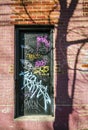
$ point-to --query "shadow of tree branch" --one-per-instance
(63, 101)
(28, 14)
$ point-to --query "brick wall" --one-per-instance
(36, 12)
(70, 57)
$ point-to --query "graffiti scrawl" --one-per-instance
(35, 88)
(35, 74)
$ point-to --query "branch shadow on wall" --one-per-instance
(64, 103)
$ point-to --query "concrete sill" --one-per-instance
(36, 118)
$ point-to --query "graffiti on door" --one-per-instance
(35, 74)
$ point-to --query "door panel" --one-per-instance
(34, 72)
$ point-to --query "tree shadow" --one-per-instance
(63, 101)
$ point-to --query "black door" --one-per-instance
(34, 71)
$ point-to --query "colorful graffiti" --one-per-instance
(42, 40)
(35, 74)
(33, 56)
(44, 70)
(39, 63)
